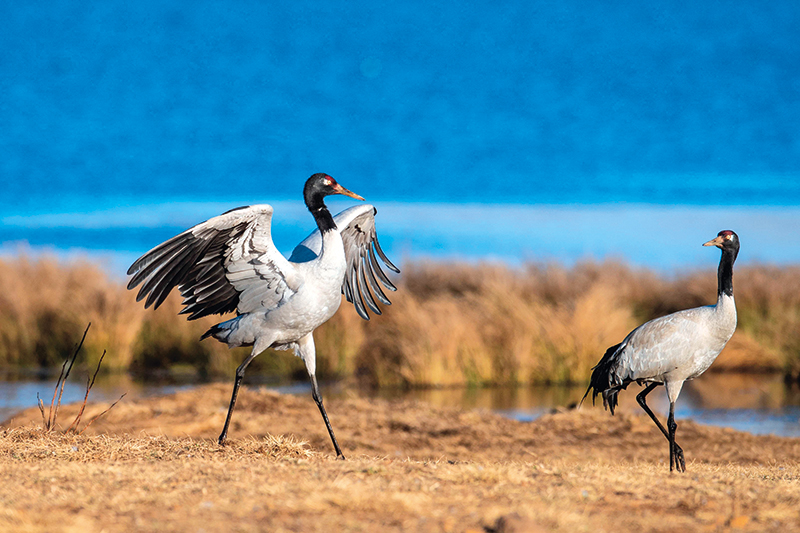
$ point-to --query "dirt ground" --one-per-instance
(154, 465)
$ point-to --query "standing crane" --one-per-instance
(672, 349)
(229, 263)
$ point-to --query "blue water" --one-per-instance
(760, 404)
(596, 122)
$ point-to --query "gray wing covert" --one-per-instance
(224, 264)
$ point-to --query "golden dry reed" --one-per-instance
(450, 324)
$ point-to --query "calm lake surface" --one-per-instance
(760, 404)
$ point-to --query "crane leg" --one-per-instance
(677, 456)
(306, 351)
(318, 399)
(674, 459)
(236, 383)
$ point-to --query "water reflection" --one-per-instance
(760, 404)
(18, 395)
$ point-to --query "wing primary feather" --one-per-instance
(187, 265)
(347, 288)
(171, 272)
(147, 259)
(348, 292)
(373, 283)
(175, 274)
(221, 286)
(383, 255)
(154, 279)
(157, 273)
(202, 285)
(376, 267)
(207, 290)
(150, 263)
(363, 290)
(204, 267)
(205, 311)
(213, 300)
(199, 312)
(359, 305)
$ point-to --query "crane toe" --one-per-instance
(677, 459)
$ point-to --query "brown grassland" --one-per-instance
(450, 324)
(154, 465)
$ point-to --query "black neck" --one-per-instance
(321, 214)
(725, 272)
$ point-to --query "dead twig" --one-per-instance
(101, 414)
(49, 420)
(58, 391)
(48, 424)
(89, 385)
(40, 403)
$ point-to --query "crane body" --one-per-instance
(672, 349)
(229, 263)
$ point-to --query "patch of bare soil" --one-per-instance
(154, 465)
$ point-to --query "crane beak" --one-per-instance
(341, 190)
(717, 241)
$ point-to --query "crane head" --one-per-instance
(321, 184)
(724, 239)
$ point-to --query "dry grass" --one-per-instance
(153, 465)
(450, 324)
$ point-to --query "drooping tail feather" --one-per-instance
(222, 331)
(233, 332)
(601, 381)
(212, 332)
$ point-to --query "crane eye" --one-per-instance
(328, 182)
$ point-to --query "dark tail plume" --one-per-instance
(212, 331)
(601, 383)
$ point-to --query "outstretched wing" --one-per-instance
(224, 264)
(364, 277)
